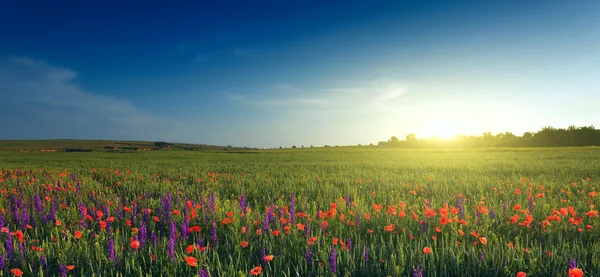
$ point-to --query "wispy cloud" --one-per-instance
(374, 96)
(43, 101)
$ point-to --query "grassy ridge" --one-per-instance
(319, 179)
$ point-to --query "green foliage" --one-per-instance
(317, 177)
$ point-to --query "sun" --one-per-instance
(444, 129)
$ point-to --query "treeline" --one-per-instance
(547, 137)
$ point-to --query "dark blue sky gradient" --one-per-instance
(298, 72)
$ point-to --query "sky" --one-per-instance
(283, 73)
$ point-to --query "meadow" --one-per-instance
(359, 211)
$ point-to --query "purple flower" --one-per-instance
(418, 272)
(111, 249)
(478, 217)
(572, 263)
(185, 224)
(212, 202)
(348, 202)
(172, 240)
(308, 256)
(214, 237)
(43, 262)
(492, 214)
(531, 204)
(357, 220)
(63, 270)
(243, 203)
(333, 260)
(292, 208)
(265, 226)
(505, 207)
(2, 262)
(263, 255)
(366, 255)
(481, 256)
(143, 233)
(204, 272)
(423, 226)
(8, 246)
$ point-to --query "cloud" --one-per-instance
(43, 101)
(374, 96)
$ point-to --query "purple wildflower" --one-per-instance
(111, 249)
(63, 270)
(481, 256)
(8, 246)
(263, 255)
(333, 260)
(43, 262)
(204, 272)
(243, 203)
(292, 208)
(423, 226)
(2, 262)
(214, 237)
(366, 255)
(531, 204)
(492, 214)
(505, 207)
(348, 202)
(308, 256)
(172, 240)
(572, 263)
(418, 272)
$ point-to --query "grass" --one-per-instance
(320, 180)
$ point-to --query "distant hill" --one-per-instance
(74, 145)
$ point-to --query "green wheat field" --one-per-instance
(339, 211)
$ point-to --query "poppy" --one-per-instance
(77, 235)
(483, 240)
(427, 250)
(70, 267)
(575, 272)
(191, 261)
(269, 258)
(135, 244)
(16, 272)
(256, 270)
(521, 274)
(244, 244)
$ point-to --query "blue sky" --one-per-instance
(283, 73)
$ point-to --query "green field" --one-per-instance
(418, 183)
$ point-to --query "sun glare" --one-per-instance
(444, 129)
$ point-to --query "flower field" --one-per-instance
(302, 212)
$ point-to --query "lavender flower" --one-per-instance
(531, 204)
(357, 220)
(418, 272)
(204, 272)
(2, 262)
(214, 237)
(111, 249)
(348, 202)
(505, 207)
(172, 240)
(265, 227)
(423, 226)
(8, 246)
(185, 224)
(43, 262)
(263, 255)
(366, 255)
(292, 209)
(1, 220)
(243, 203)
(492, 214)
(481, 256)
(212, 202)
(478, 217)
(308, 257)
(143, 233)
(63, 270)
(572, 263)
(333, 260)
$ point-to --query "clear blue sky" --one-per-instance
(266, 74)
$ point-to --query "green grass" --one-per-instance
(317, 177)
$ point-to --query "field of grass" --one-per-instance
(319, 212)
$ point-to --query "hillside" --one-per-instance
(72, 145)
